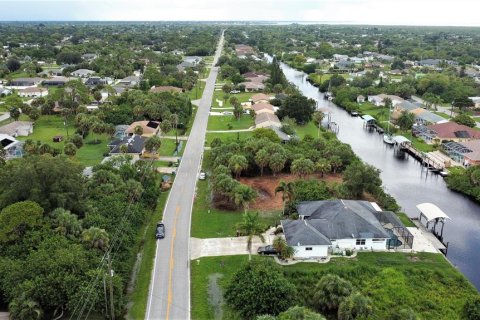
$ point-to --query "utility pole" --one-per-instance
(110, 273)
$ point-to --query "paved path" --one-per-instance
(167, 158)
(225, 131)
(173, 137)
(169, 294)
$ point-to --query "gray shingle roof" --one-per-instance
(301, 233)
(342, 219)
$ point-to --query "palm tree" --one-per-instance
(282, 247)
(288, 193)
(174, 121)
(165, 126)
(302, 167)
(24, 308)
(330, 291)
(66, 223)
(277, 162)
(323, 166)
(237, 111)
(153, 144)
(237, 163)
(96, 238)
(243, 195)
(406, 120)
(335, 162)
(355, 306)
(138, 130)
(261, 159)
(251, 227)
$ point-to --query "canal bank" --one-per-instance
(407, 182)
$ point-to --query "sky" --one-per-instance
(383, 12)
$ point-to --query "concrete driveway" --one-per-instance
(213, 247)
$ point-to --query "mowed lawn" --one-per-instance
(423, 282)
(49, 126)
(227, 136)
(208, 222)
(218, 95)
(228, 122)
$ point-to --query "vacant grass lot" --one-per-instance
(218, 95)
(208, 222)
(148, 246)
(49, 126)
(309, 128)
(424, 282)
(227, 136)
(228, 122)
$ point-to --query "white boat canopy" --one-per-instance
(431, 212)
(368, 118)
(400, 139)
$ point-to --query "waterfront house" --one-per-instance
(263, 107)
(252, 86)
(466, 152)
(21, 83)
(333, 226)
(379, 100)
(451, 131)
(260, 98)
(266, 119)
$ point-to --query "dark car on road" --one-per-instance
(267, 250)
(160, 231)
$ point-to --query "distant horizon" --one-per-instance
(270, 22)
(434, 13)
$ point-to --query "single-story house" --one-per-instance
(466, 152)
(252, 86)
(451, 131)
(150, 128)
(282, 135)
(379, 100)
(56, 81)
(260, 98)
(20, 83)
(89, 56)
(166, 89)
(360, 99)
(129, 81)
(262, 107)
(17, 128)
(51, 72)
(135, 145)
(33, 92)
(333, 226)
(13, 148)
(266, 119)
(96, 81)
(83, 73)
(118, 90)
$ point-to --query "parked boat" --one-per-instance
(388, 139)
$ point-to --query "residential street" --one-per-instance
(169, 294)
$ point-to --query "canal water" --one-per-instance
(407, 182)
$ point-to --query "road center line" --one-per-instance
(171, 264)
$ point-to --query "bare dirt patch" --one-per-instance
(265, 187)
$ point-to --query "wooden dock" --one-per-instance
(429, 161)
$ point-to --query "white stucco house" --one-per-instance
(379, 100)
(333, 226)
(33, 92)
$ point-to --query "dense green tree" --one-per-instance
(471, 309)
(302, 167)
(243, 195)
(288, 193)
(259, 288)
(237, 163)
(70, 149)
(465, 119)
(297, 107)
(300, 313)
(96, 238)
(24, 308)
(16, 219)
(13, 65)
(14, 113)
(262, 159)
(360, 178)
(406, 120)
(277, 162)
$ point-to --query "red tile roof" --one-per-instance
(449, 130)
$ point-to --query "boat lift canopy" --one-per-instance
(431, 212)
(368, 118)
(401, 140)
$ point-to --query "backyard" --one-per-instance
(423, 282)
(218, 95)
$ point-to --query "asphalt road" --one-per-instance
(169, 294)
